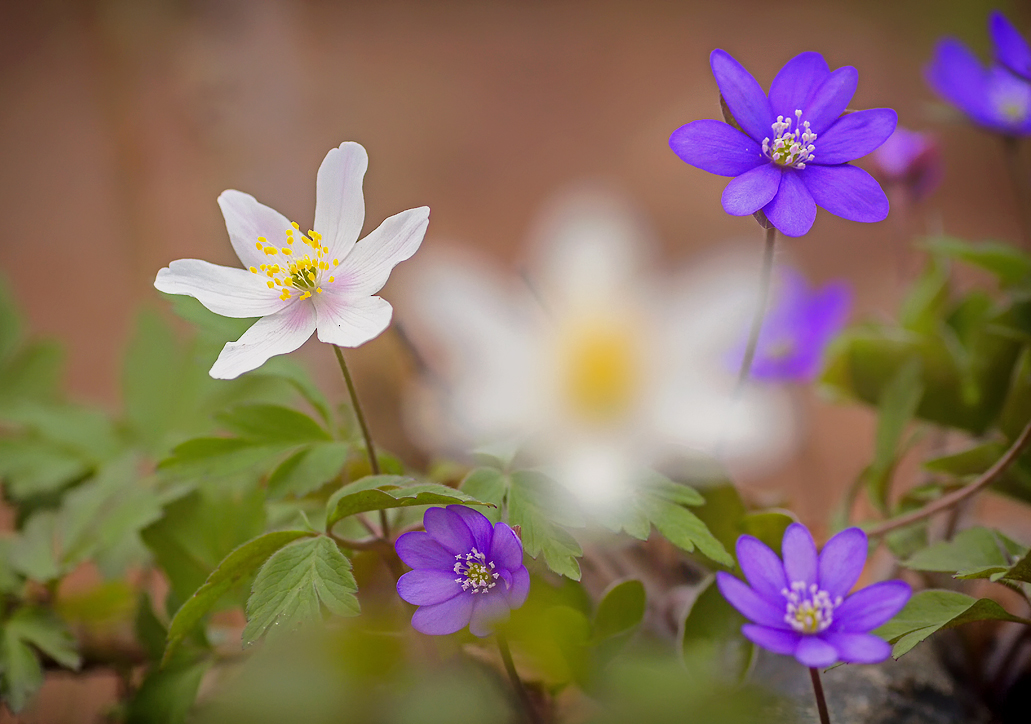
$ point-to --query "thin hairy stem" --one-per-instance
(760, 310)
(821, 701)
(532, 714)
(369, 447)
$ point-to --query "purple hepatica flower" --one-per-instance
(802, 607)
(912, 160)
(798, 327)
(467, 572)
(791, 154)
(1011, 49)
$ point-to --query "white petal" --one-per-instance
(222, 289)
(339, 203)
(366, 269)
(351, 321)
(275, 334)
(246, 220)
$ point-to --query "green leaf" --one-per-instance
(272, 425)
(531, 506)
(10, 323)
(972, 553)
(21, 675)
(388, 495)
(289, 371)
(294, 581)
(32, 374)
(898, 402)
(932, 610)
(167, 695)
(34, 552)
(308, 469)
(1005, 261)
(46, 632)
(241, 562)
(28, 630)
(927, 297)
(715, 624)
(32, 466)
(620, 610)
(489, 485)
(149, 630)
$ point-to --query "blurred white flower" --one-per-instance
(597, 366)
(299, 283)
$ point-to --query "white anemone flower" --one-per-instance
(596, 365)
(323, 281)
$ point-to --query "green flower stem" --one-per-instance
(1021, 186)
(532, 715)
(760, 311)
(821, 701)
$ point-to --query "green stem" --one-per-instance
(821, 701)
(524, 696)
(760, 311)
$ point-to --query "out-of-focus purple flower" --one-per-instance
(800, 323)
(997, 97)
(467, 572)
(1011, 49)
(912, 160)
(801, 607)
(791, 154)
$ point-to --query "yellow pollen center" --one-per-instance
(600, 372)
(291, 271)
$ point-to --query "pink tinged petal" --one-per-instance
(796, 81)
(749, 603)
(799, 549)
(449, 530)
(846, 191)
(776, 640)
(857, 648)
(427, 586)
(519, 587)
(339, 202)
(854, 136)
(489, 609)
(841, 561)
(478, 525)
(762, 567)
(505, 548)
(716, 147)
(743, 95)
(874, 605)
(277, 333)
(814, 652)
(444, 618)
(224, 290)
(830, 99)
(792, 210)
(366, 268)
(752, 190)
(418, 550)
(246, 220)
(351, 321)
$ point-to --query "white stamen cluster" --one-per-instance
(790, 148)
(475, 571)
(810, 609)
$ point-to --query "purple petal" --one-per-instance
(478, 525)
(761, 566)
(792, 210)
(752, 190)
(857, 648)
(519, 587)
(874, 605)
(958, 76)
(841, 561)
(488, 609)
(1010, 47)
(846, 191)
(814, 652)
(776, 640)
(716, 147)
(505, 549)
(743, 95)
(428, 586)
(796, 81)
(448, 529)
(444, 618)
(799, 549)
(830, 99)
(854, 135)
(749, 603)
(418, 550)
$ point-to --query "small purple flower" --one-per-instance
(997, 98)
(802, 607)
(798, 327)
(1011, 49)
(467, 572)
(912, 160)
(791, 154)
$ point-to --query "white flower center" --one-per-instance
(475, 572)
(290, 271)
(810, 609)
(790, 148)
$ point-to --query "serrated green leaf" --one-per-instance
(272, 425)
(932, 610)
(974, 552)
(378, 498)
(28, 630)
(241, 562)
(684, 529)
(1019, 571)
(293, 583)
(489, 485)
(1005, 261)
(620, 610)
(46, 632)
(308, 469)
(532, 506)
(34, 551)
(21, 675)
(32, 466)
(86, 432)
(292, 373)
(167, 695)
